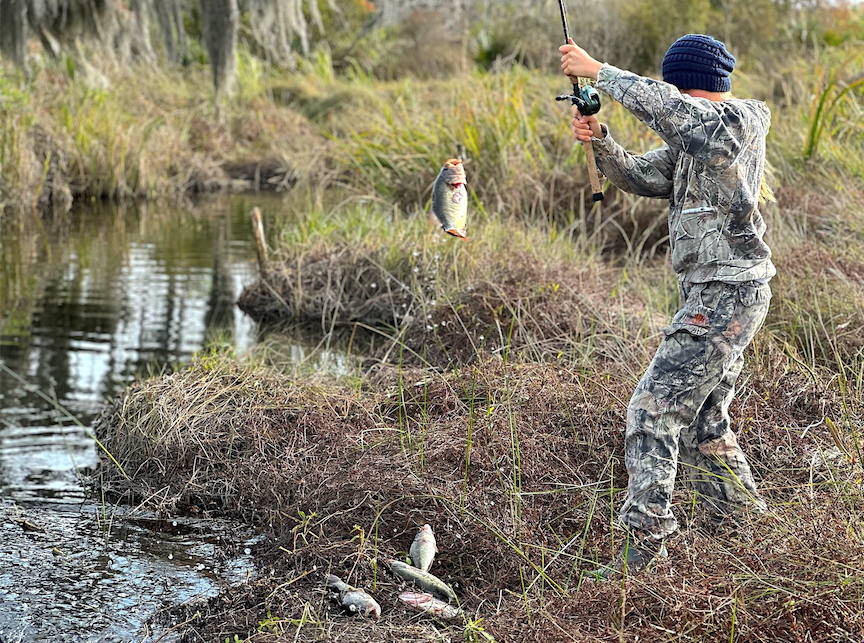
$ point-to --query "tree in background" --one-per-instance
(120, 30)
(170, 16)
(220, 19)
(392, 38)
(13, 30)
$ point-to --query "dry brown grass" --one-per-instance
(429, 313)
(517, 467)
(494, 411)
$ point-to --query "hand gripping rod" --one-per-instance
(587, 101)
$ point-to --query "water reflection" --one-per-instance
(87, 303)
(84, 575)
(90, 301)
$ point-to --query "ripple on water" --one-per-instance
(44, 461)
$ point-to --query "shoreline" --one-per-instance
(510, 447)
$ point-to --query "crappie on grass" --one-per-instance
(423, 580)
(352, 599)
(423, 549)
(428, 604)
(450, 198)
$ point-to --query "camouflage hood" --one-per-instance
(710, 168)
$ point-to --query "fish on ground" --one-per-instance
(352, 599)
(423, 549)
(423, 580)
(450, 198)
(428, 604)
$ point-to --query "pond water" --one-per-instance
(89, 302)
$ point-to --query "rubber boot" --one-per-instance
(633, 557)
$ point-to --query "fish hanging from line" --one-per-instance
(450, 198)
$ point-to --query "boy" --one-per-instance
(711, 170)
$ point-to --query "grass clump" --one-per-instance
(527, 291)
(141, 133)
(516, 466)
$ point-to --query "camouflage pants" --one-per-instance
(680, 410)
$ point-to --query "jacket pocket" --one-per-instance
(750, 294)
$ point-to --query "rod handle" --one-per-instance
(592, 171)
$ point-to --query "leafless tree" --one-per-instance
(221, 18)
(13, 30)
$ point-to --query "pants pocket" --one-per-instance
(698, 315)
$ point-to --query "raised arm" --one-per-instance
(694, 125)
(646, 175)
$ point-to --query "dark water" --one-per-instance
(97, 573)
(92, 301)
(87, 303)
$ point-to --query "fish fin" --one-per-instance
(457, 233)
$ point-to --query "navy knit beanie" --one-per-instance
(696, 61)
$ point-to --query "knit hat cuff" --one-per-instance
(696, 80)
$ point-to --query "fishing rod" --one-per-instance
(587, 101)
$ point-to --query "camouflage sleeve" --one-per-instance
(647, 175)
(694, 125)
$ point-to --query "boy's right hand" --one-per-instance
(584, 127)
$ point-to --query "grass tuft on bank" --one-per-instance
(517, 467)
(140, 133)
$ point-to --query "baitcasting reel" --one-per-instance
(587, 101)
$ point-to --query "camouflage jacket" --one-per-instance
(710, 168)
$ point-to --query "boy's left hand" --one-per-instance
(576, 63)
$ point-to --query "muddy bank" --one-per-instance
(92, 572)
(148, 136)
(517, 466)
(52, 178)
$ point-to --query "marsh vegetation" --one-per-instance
(489, 379)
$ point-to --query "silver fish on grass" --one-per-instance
(352, 599)
(423, 549)
(450, 198)
(423, 580)
(428, 604)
